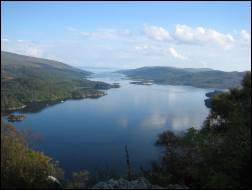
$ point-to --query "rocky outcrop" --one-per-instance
(140, 183)
(53, 183)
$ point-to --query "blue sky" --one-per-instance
(131, 34)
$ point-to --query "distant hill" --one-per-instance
(26, 80)
(15, 65)
(202, 78)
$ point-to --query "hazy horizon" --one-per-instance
(135, 95)
(127, 35)
(112, 69)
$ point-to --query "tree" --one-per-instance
(216, 156)
(22, 167)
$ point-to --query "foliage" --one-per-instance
(216, 156)
(79, 180)
(20, 165)
(202, 78)
(26, 80)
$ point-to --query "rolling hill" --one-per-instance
(26, 80)
(201, 78)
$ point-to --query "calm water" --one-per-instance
(91, 133)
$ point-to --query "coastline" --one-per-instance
(38, 106)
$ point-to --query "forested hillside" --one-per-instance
(202, 78)
(25, 80)
(218, 156)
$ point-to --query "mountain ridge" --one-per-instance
(26, 80)
(201, 77)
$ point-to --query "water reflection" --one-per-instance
(91, 133)
(123, 122)
(156, 120)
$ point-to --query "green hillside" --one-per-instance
(202, 78)
(26, 80)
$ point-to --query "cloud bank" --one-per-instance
(151, 45)
(176, 55)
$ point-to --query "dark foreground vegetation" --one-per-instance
(22, 167)
(216, 156)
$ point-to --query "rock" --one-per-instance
(176, 186)
(54, 183)
(139, 183)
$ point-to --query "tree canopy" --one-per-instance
(20, 165)
(216, 156)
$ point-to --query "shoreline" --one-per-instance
(38, 106)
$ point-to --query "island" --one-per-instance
(115, 85)
(141, 82)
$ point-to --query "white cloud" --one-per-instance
(33, 51)
(203, 36)
(176, 55)
(150, 50)
(187, 35)
(245, 35)
(145, 49)
(157, 33)
(132, 49)
(204, 64)
(4, 39)
(141, 47)
(23, 47)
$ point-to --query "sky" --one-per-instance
(122, 35)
